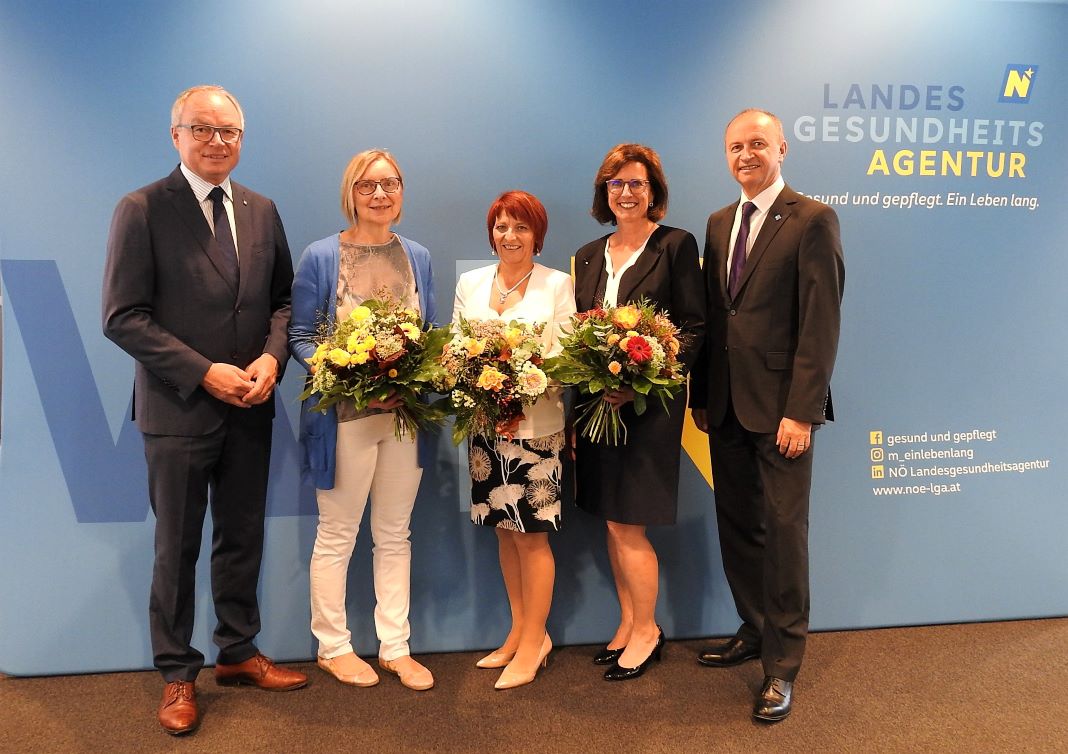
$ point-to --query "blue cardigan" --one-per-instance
(315, 297)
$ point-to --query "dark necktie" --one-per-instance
(223, 236)
(738, 258)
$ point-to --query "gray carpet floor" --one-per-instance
(987, 687)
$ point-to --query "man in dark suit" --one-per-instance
(774, 275)
(196, 289)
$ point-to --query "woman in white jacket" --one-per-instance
(528, 453)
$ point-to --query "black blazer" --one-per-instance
(637, 483)
(167, 303)
(668, 273)
(772, 349)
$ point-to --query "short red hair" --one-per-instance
(523, 207)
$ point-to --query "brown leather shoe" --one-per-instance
(178, 709)
(259, 671)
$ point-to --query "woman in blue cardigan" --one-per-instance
(351, 456)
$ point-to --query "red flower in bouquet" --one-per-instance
(638, 349)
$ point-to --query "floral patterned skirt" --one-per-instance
(515, 484)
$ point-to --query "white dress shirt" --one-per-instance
(201, 189)
(763, 202)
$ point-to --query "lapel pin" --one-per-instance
(245, 202)
(777, 217)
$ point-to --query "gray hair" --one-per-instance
(179, 104)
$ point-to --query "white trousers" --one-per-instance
(370, 460)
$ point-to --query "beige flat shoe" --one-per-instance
(411, 673)
(349, 669)
(496, 659)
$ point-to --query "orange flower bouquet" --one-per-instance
(624, 346)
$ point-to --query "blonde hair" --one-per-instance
(357, 166)
(179, 104)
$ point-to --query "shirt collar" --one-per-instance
(767, 197)
(202, 188)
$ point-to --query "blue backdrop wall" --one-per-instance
(936, 129)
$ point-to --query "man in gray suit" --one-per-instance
(774, 275)
(196, 289)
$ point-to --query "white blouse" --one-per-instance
(549, 299)
(611, 289)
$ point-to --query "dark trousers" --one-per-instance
(762, 501)
(228, 469)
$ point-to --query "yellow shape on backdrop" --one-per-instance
(695, 443)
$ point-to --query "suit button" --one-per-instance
(733, 312)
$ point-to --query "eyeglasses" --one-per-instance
(200, 132)
(389, 185)
(615, 186)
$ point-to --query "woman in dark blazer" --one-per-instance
(635, 485)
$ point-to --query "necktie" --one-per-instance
(223, 236)
(738, 258)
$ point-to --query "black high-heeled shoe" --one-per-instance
(607, 656)
(619, 673)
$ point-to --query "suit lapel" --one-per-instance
(589, 266)
(776, 218)
(723, 242)
(642, 267)
(243, 218)
(188, 209)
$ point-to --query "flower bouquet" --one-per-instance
(379, 349)
(624, 346)
(493, 372)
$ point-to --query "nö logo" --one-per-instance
(1017, 82)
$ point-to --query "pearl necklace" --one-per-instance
(506, 293)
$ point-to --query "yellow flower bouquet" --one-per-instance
(380, 349)
(493, 370)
